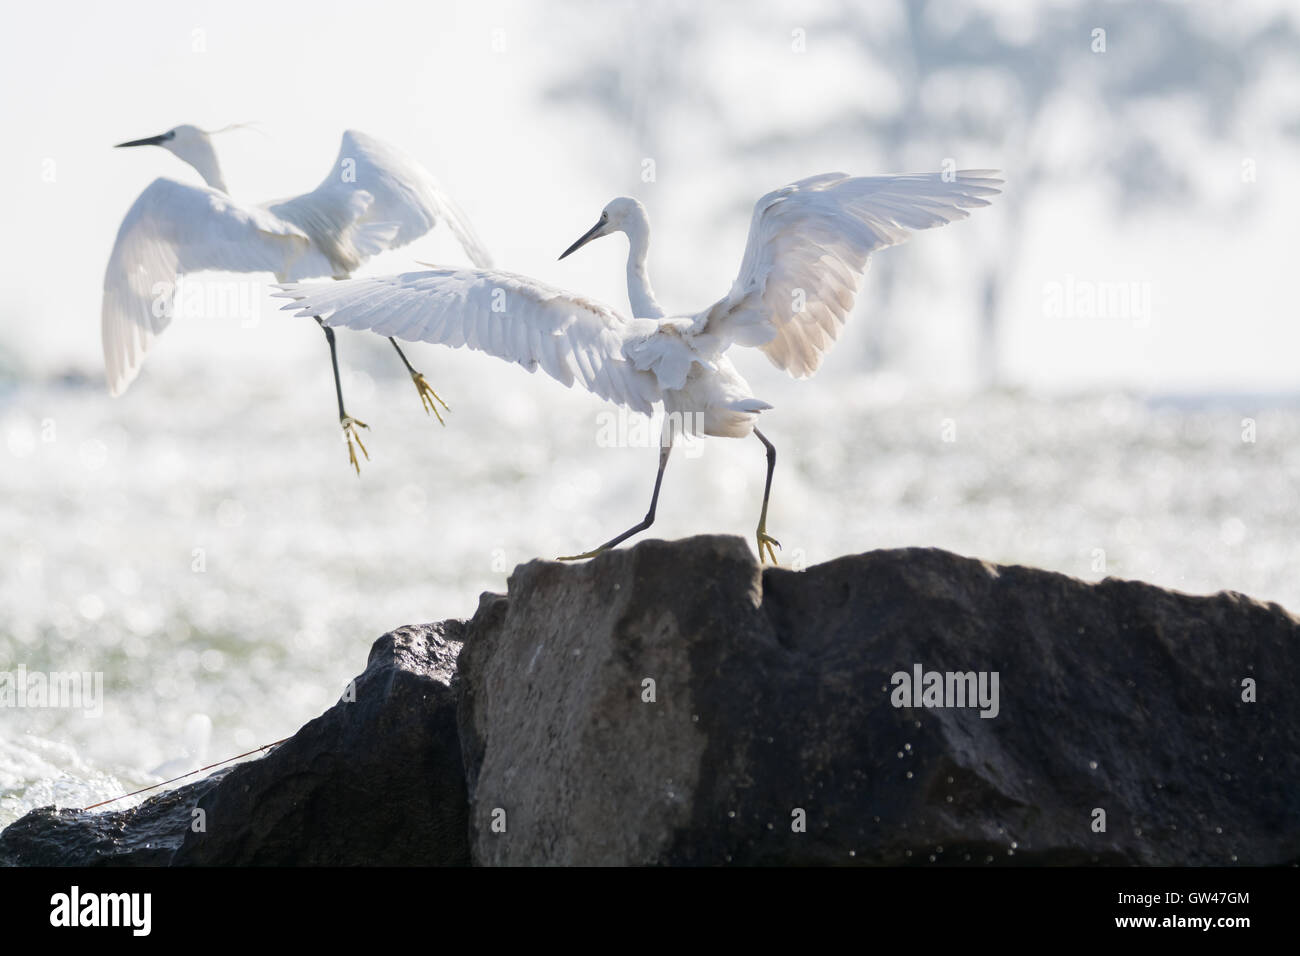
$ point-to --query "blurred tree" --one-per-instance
(1057, 96)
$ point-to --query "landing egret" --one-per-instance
(376, 197)
(808, 248)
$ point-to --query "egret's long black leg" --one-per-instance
(645, 523)
(765, 539)
(350, 425)
(427, 394)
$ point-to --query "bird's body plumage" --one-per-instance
(808, 246)
(372, 184)
(374, 198)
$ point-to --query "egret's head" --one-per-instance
(191, 145)
(180, 140)
(619, 215)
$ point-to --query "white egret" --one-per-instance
(376, 197)
(808, 248)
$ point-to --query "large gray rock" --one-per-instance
(773, 696)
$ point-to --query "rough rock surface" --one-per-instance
(144, 835)
(773, 695)
(376, 779)
(673, 703)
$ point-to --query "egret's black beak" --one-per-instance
(147, 141)
(586, 237)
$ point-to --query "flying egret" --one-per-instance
(808, 248)
(376, 197)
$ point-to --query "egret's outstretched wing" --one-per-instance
(808, 247)
(173, 229)
(510, 316)
(399, 191)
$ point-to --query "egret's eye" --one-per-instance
(170, 134)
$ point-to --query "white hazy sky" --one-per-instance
(533, 176)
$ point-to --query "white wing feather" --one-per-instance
(513, 317)
(399, 192)
(170, 230)
(809, 244)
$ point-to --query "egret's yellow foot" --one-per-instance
(765, 540)
(585, 555)
(350, 426)
(428, 396)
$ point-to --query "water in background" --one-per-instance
(203, 543)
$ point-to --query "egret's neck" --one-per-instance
(642, 297)
(203, 158)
